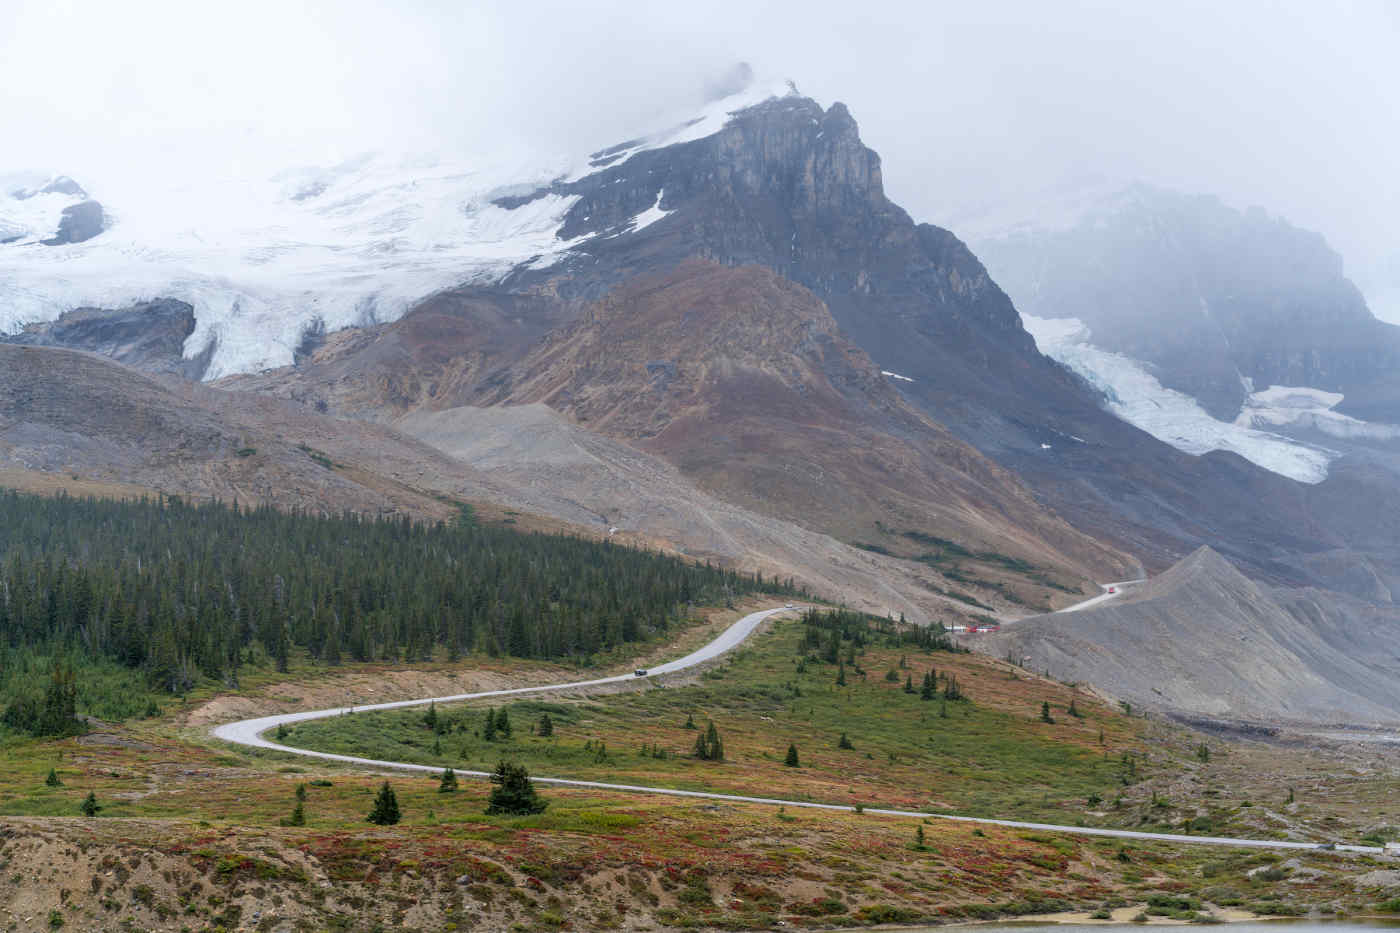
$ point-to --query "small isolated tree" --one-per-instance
(53, 779)
(791, 759)
(503, 723)
(386, 807)
(282, 731)
(300, 793)
(514, 793)
(430, 718)
(841, 674)
(909, 684)
(951, 689)
(845, 742)
(892, 676)
(943, 709)
(1203, 752)
(708, 745)
(1045, 712)
(1074, 710)
(546, 726)
(919, 837)
(690, 721)
(298, 817)
(927, 691)
(449, 781)
(488, 730)
(90, 806)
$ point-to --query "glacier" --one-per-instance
(264, 259)
(1134, 394)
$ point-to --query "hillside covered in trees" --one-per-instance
(177, 593)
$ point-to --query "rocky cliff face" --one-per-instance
(1207, 295)
(149, 336)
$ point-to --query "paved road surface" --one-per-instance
(249, 732)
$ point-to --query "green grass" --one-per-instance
(979, 759)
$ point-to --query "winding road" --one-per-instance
(250, 732)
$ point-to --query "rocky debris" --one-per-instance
(79, 222)
(1205, 640)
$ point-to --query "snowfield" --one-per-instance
(1133, 394)
(262, 260)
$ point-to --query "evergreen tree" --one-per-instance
(951, 689)
(708, 745)
(448, 784)
(845, 742)
(1045, 712)
(841, 674)
(791, 759)
(909, 684)
(503, 723)
(514, 793)
(386, 807)
(300, 793)
(1074, 710)
(546, 728)
(298, 817)
(488, 731)
(690, 721)
(53, 780)
(892, 676)
(919, 837)
(927, 691)
(90, 806)
(430, 718)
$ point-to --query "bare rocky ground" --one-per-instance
(1204, 640)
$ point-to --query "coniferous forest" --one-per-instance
(95, 591)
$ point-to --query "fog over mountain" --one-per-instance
(1283, 105)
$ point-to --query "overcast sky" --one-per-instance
(1292, 106)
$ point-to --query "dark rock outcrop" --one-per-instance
(80, 222)
(149, 336)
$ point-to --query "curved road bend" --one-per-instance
(249, 732)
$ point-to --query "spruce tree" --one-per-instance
(909, 684)
(690, 721)
(90, 806)
(386, 807)
(514, 793)
(708, 746)
(448, 784)
(841, 674)
(919, 836)
(1045, 712)
(845, 742)
(300, 793)
(53, 779)
(928, 690)
(488, 731)
(298, 817)
(546, 728)
(503, 723)
(430, 718)
(791, 759)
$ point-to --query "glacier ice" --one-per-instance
(1134, 394)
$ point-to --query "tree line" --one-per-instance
(182, 593)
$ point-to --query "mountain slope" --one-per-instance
(744, 380)
(1204, 639)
